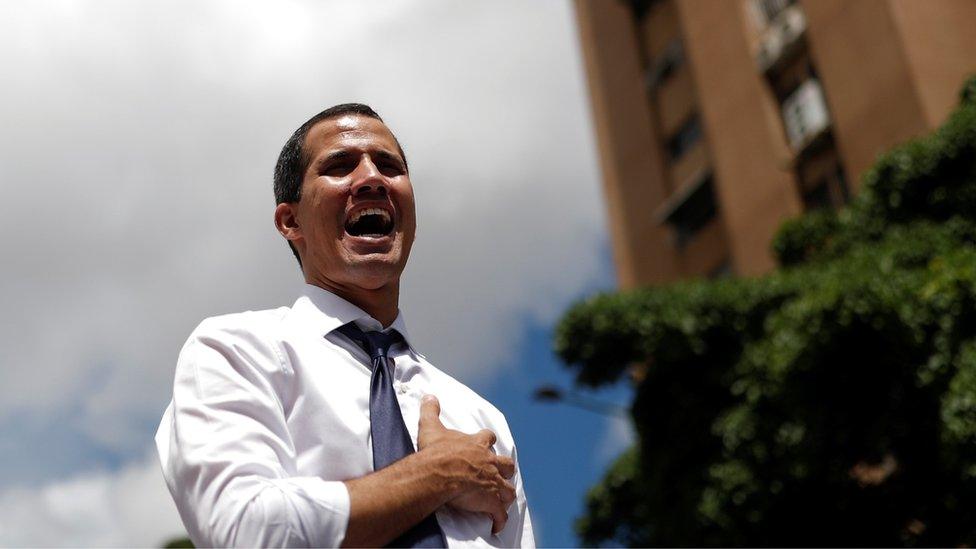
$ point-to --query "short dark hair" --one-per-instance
(293, 160)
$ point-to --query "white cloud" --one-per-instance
(128, 508)
(137, 166)
(136, 155)
(619, 436)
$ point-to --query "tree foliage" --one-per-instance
(179, 543)
(831, 402)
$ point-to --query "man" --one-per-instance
(320, 424)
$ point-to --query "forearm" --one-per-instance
(388, 502)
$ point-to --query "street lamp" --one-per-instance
(552, 393)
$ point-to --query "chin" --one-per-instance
(374, 271)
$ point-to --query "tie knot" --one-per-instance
(377, 344)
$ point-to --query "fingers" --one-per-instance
(430, 412)
(492, 496)
(499, 515)
(506, 466)
(485, 438)
(506, 493)
(498, 520)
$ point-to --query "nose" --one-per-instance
(368, 179)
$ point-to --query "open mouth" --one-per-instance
(370, 223)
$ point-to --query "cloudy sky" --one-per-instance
(137, 140)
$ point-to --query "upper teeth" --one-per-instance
(371, 211)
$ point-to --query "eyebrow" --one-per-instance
(344, 154)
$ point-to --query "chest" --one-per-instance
(327, 407)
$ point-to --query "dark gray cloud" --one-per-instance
(135, 156)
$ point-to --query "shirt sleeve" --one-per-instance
(227, 455)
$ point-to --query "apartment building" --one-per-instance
(717, 120)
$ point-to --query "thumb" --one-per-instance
(430, 412)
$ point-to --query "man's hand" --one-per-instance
(479, 473)
(450, 468)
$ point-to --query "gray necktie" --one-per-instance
(391, 440)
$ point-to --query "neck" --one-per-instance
(381, 303)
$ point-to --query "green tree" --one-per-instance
(831, 402)
(178, 543)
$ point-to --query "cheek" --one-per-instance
(321, 214)
(409, 207)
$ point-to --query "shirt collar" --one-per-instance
(322, 311)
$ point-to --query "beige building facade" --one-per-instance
(717, 120)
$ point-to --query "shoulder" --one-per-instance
(249, 337)
(266, 322)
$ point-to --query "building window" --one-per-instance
(781, 25)
(768, 10)
(791, 75)
(805, 114)
(693, 213)
(829, 191)
(722, 270)
(666, 64)
(821, 175)
(640, 7)
(687, 136)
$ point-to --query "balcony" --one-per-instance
(690, 165)
(781, 37)
(690, 207)
(805, 115)
(675, 101)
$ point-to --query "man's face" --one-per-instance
(356, 211)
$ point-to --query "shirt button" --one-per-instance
(402, 389)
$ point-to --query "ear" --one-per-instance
(286, 221)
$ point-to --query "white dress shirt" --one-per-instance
(270, 413)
